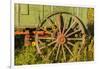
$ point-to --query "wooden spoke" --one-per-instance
(74, 39)
(58, 50)
(74, 23)
(51, 22)
(42, 47)
(52, 43)
(49, 38)
(44, 29)
(73, 33)
(37, 47)
(68, 49)
(64, 27)
(70, 43)
(54, 27)
(63, 53)
(60, 22)
(52, 50)
(75, 26)
(70, 21)
(53, 35)
(40, 41)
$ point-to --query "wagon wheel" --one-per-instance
(63, 31)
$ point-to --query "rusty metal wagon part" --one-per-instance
(64, 31)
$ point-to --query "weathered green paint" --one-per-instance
(28, 15)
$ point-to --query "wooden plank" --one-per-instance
(41, 11)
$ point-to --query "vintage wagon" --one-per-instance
(57, 28)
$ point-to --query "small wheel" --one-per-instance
(64, 30)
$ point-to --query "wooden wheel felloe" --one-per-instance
(63, 31)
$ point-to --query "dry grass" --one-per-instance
(27, 55)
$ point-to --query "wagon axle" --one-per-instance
(61, 39)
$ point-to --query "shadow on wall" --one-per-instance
(91, 28)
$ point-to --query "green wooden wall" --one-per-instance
(28, 15)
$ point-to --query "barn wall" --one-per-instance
(31, 15)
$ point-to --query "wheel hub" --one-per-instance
(61, 39)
